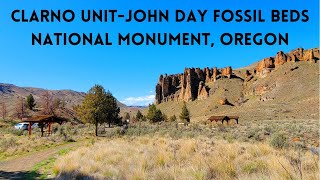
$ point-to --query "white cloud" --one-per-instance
(139, 101)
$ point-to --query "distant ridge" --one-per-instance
(10, 94)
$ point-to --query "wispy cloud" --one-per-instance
(138, 101)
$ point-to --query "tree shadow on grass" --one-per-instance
(74, 175)
(19, 175)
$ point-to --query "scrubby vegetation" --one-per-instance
(184, 158)
(265, 149)
(270, 149)
(16, 142)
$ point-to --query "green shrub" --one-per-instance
(279, 140)
(254, 134)
(16, 132)
(8, 143)
(173, 118)
(254, 167)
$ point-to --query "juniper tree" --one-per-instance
(173, 118)
(30, 102)
(154, 114)
(185, 114)
(139, 115)
(99, 107)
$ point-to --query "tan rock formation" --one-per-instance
(215, 73)
(280, 59)
(309, 56)
(264, 67)
(202, 91)
(227, 72)
(298, 53)
(189, 85)
(208, 74)
(224, 101)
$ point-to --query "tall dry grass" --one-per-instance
(186, 158)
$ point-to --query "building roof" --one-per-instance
(44, 118)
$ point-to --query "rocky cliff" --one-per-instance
(193, 83)
(190, 85)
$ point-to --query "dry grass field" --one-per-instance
(251, 150)
(186, 158)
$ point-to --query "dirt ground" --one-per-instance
(20, 167)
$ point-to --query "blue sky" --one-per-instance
(131, 73)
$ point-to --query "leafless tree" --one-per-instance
(47, 103)
(20, 108)
(3, 110)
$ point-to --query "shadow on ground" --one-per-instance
(74, 175)
(19, 175)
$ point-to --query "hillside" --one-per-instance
(10, 94)
(282, 87)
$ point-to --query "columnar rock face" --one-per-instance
(208, 73)
(215, 73)
(203, 92)
(192, 83)
(189, 86)
(165, 87)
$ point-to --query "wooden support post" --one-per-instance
(29, 128)
(41, 130)
(49, 128)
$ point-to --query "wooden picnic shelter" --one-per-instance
(43, 120)
(223, 118)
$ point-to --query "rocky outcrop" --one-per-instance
(165, 88)
(309, 56)
(265, 66)
(189, 85)
(192, 83)
(215, 73)
(268, 64)
(203, 91)
(227, 72)
(280, 59)
(297, 54)
(224, 101)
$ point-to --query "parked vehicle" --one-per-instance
(35, 125)
(24, 126)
